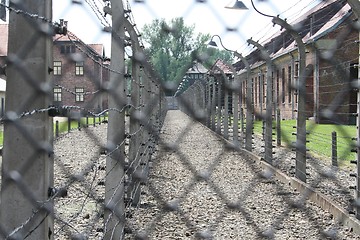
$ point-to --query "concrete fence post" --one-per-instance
(208, 103)
(27, 166)
(268, 116)
(133, 190)
(242, 126)
(226, 110)
(147, 111)
(236, 116)
(278, 127)
(355, 6)
(114, 215)
(300, 171)
(219, 107)
(213, 105)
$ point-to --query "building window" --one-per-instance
(57, 94)
(283, 85)
(263, 89)
(277, 86)
(255, 90)
(272, 87)
(259, 89)
(289, 85)
(65, 49)
(79, 68)
(79, 94)
(296, 82)
(57, 67)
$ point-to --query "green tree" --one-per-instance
(173, 47)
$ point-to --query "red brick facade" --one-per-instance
(69, 51)
(327, 79)
(79, 72)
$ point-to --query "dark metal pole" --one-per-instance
(334, 149)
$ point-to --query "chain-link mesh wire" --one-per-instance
(130, 168)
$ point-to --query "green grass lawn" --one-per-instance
(319, 137)
(63, 126)
(320, 140)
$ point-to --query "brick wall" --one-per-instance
(335, 75)
(92, 78)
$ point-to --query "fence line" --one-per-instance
(228, 102)
(305, 158)
(128, 149)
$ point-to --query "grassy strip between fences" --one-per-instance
(319, 137)
(64, 125)
(74, 124)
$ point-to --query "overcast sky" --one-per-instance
(210, 17)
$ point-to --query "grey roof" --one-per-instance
(311, 26)
(197, 68)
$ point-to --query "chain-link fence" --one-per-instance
(94, 150)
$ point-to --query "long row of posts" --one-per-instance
(217, 86)
(27, 207)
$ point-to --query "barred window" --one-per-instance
(79, 94)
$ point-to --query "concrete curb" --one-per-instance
(319, 199)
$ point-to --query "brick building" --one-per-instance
(321, 29)
(218, 72)
(79, 72)
(3, 48)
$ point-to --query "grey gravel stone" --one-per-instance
(198, 188)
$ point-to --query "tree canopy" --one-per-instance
(171, 48)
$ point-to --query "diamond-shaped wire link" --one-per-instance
(185, 174)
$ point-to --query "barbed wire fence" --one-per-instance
(254, 89)
(134, 118)
(111, 179)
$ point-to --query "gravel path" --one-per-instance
(197, 188)
(80, 168)
(334, 182)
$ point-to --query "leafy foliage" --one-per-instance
(172, 48)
